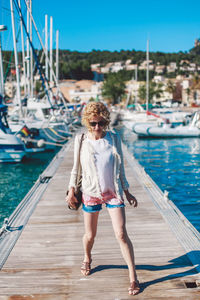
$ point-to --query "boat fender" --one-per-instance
(41, 143)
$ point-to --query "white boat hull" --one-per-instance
(11, 148)
(146, 130)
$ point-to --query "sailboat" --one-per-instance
(39, 114)
(168, 131)
(12, 149)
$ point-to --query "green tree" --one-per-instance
(114, 87)
(171, 87)
(155, 90)
(188, 91)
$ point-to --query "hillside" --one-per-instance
(77, 65)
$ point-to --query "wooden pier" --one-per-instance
(45, 262)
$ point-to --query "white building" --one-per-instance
(131, 67)
(117, 66)
(158, 78)
(160, 69)
(171, 67)
(85, 94)
(95, 67)
(143, 65)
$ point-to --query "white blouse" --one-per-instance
(104, 161)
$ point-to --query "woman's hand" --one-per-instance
(71, 199)
(131, 199)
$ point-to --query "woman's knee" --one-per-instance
(121, 236)
(90, 236)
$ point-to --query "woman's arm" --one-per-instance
(130, 198)
(70, 198)
(122, 175)
(74, 172)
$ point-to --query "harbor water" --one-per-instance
(16, 179)
(174, 165)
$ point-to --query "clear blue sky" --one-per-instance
(171, 26)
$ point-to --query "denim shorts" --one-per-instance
(98, 207)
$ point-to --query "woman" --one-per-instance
(103, 182)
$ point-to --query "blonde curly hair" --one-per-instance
(95, 109)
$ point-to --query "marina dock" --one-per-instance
(45, 261)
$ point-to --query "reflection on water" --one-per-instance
(195, 147)
(178, 161)
(17, 179)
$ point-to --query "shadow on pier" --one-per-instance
(178, 262)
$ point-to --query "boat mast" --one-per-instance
(2, 28)
(57, 55)
(136, 79)
(31, 53)
(42, 75)
(16, 59)
(46, 48)
(28, 49)
(51, 51)
(1, 72)
(23, 53)
(147, 77)
(53, 74)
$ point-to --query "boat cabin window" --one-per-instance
(32, 112)
(3, 121)
(46, 112)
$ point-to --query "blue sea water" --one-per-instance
(17, 179)
(174, 164)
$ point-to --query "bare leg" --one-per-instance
(90, 222)
(119, 225)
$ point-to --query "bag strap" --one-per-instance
(79, 153)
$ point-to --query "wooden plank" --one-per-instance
(45, 263)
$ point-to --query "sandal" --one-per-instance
(86, 268)
(134, 288)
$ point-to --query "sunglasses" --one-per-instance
(100, 123)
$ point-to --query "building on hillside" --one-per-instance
(113, 67)
(164, 97)
(131, 67)
(95, 67)
(191, 91)
(105, 69)
(172, 67)
(117, 66)
(180, 77)
(192, 67)
(132, 88)
(158, 79)
(186, 92)
(128, 62)
(160, 69)
(85, 90)
(143, 65)
(184, 62)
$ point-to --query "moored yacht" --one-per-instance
(12, 149)
(167, 130)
